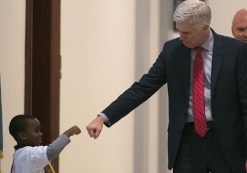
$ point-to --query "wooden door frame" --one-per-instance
(43, 65)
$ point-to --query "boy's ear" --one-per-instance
(22, 136)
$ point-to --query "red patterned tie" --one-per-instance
(198, 95)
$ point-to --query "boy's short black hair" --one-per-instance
(19, 124)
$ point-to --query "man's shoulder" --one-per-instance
(173, 41)
(229, 43)
(226, 39)
(173, 44)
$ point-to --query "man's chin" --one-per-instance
(188, 45)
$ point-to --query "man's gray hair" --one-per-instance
(194, 11)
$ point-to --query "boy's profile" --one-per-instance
(30, 156)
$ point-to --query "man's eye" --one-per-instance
(240, 29)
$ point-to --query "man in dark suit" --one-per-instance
(206, 76)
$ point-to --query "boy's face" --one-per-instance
(32, 136)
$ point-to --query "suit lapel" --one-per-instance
(216, 62)
(186, 53)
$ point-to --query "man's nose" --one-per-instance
(181, 37)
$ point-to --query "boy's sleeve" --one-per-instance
(57, 146)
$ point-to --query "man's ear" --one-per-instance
(206, 27)
(232, 30)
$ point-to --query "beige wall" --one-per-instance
(105, 46)
(12, 17)
(223, 12)
(100, 35)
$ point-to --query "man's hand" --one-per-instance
(95, 127)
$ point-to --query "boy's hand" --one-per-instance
(73, 131)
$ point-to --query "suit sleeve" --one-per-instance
(139, 92)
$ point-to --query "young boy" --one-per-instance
(30, 156)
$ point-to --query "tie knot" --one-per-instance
(198, 49)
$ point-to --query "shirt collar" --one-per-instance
(208, 45)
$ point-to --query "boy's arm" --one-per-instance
(58, 144)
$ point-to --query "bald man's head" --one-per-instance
(239, 25)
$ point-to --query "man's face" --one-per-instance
(190, 35)
(239, 27)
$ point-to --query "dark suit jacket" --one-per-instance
(228, 95)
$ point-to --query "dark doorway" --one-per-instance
(42, 65)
